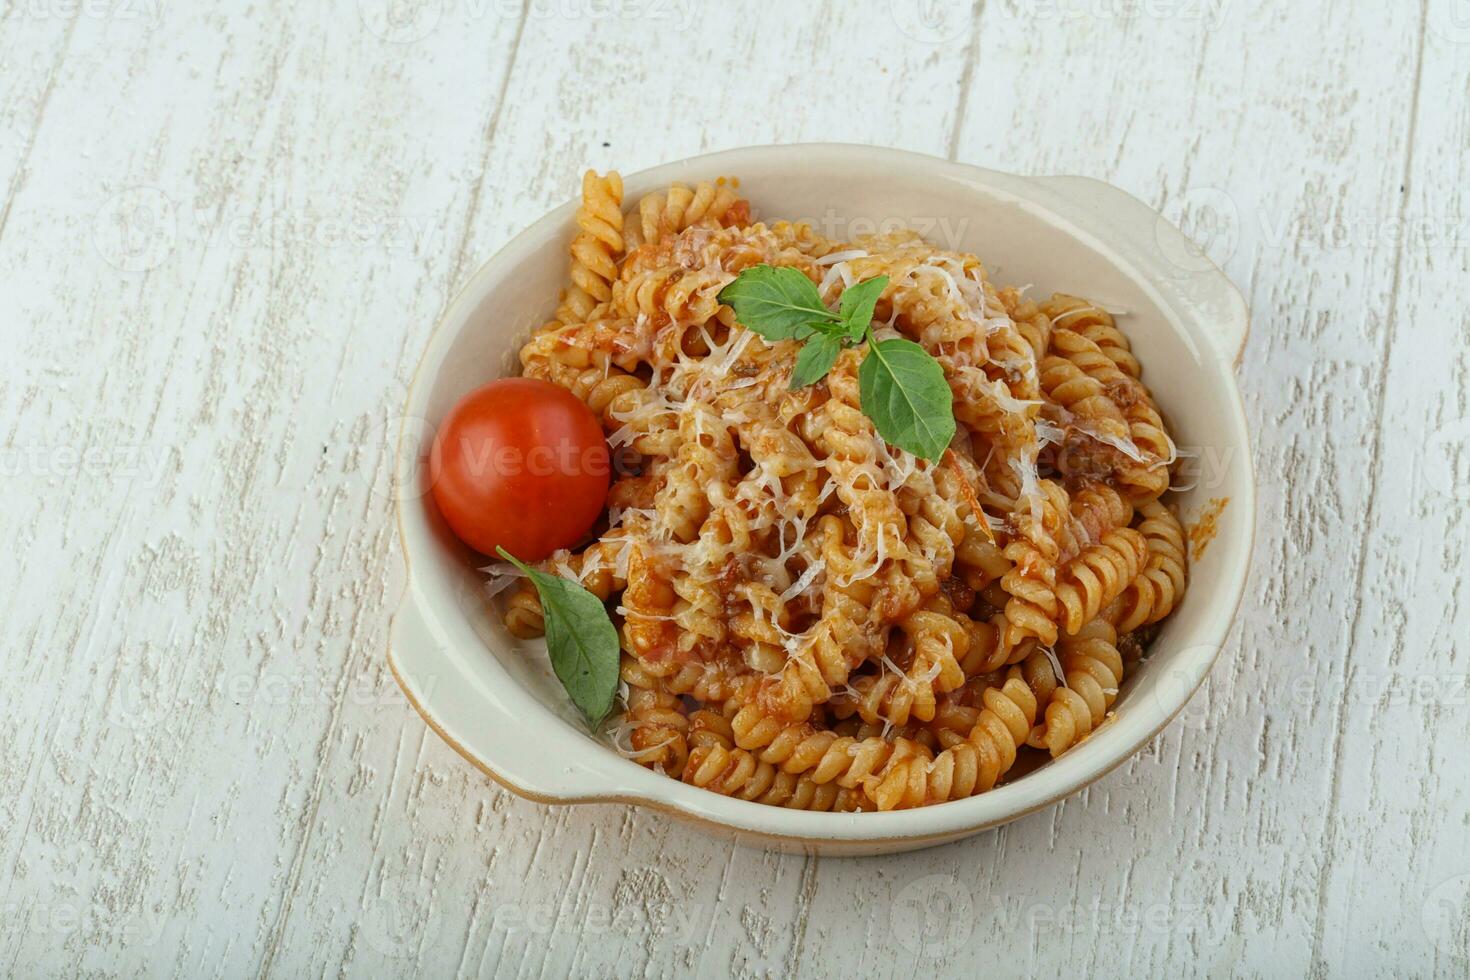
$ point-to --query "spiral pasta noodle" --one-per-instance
(1155, 592)
(657, 726)
(667, 213)
(1093, 670)
(810, 617)
(971, 766)
(736, 772)
(1033, 607)
(1098, 576)
(595, 248)
(523, 616)
(1147, 450)
(1097, 325)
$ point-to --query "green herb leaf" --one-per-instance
(857, 305)
(581, 639)
(775, 302)
(904, 392)
(815, 360)
(808, 330)
(902, 388)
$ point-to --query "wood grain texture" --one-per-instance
(224, 238)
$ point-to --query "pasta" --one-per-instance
(810, 617)
(1152, 595)
(1093, 669)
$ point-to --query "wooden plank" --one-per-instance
(1398, 710)
(1204, 854)
(541, 898)
(205, 599)
(1219, 828)
(230, 233)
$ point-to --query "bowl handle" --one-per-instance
(1175, 265)
(493, 731)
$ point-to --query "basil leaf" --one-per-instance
(809, 330)
(817, 328)
(902, 389)
(775, 302)
(581, 640)
(857, 305)
(815, 360)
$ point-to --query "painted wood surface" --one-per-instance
(225, 234)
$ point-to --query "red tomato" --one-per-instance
(521, 464)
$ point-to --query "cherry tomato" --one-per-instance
(521, 464)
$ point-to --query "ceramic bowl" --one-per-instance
(494, 698)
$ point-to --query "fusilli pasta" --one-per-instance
(809, 616)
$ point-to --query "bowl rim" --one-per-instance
(930, 824)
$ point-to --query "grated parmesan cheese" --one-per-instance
(1123, 444)
(627, 613)
(843, 256)
(503, 575)
(1056, 665)
(1048, 433)
(880, 555)
(619, 737)
(1002, 396)
(805, 581)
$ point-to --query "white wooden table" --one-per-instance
(224, 238)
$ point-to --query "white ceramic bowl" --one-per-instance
(495, 699)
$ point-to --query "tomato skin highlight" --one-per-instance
(520, 464)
